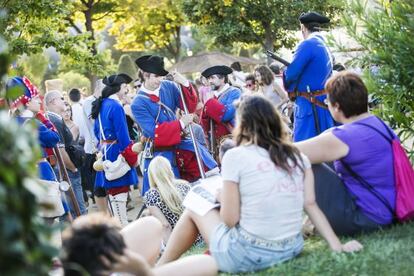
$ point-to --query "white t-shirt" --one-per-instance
(89, 135)
(271, 199)
(77, 115)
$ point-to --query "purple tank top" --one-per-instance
(370, 156)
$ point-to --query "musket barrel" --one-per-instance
(277, 58)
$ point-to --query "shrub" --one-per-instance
(386, 32)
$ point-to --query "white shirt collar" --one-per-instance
(317, 35)
(156, 92)
(27, 114)
(116, 98)
(219, 92)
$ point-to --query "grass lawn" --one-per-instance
(386, 252)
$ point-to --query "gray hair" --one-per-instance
(49, 96)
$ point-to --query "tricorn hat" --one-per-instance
(313, 17)
(217, 70)
(117, 80)
(152, 64)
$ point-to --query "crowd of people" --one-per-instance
(284, 140)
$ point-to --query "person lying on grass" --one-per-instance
(95, 245)
(266, 184)
(362, 156)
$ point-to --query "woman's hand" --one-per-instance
(352, 246)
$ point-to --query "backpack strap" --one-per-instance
(389, 139)
(367, 185)
(370, 188)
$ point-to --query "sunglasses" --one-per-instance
(61, 98)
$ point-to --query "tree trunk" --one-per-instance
(269, 39)
(177, 55)
(89, 28)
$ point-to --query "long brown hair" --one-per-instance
(266, 74)
(260, 123)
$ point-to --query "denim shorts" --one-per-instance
(236, 250)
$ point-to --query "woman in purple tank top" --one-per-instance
(359, 194)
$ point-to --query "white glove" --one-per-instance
(187, 119)
(180, 79)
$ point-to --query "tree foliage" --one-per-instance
(34, 67)
(150, 25)
(386, 32)
(31, 26)
(68, 26)
(24, 246)
(264, 22)
(74, 80)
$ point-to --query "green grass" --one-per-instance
(386, 252)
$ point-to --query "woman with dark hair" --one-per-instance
(361, 155)
(95, 245)
(68, 118)
(266, 184)
(268, 87)
(112, 132)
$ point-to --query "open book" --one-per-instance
(202, 197)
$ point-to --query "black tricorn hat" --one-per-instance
(117, 80)
(152, 64)
(313, 17)
(217, 70)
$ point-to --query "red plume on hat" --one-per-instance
(29, 91)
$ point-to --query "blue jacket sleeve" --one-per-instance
(228, 102)
(47, 137)
(143, 117)
(301, 58)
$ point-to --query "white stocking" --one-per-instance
(119, 209)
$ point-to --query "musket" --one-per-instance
(65, 177)
(276, 57)
(212, 141)
(196, 149)
(315, 113)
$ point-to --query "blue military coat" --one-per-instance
(115, 128)
(310, 69)
(159, 123)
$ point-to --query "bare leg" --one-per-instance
(185, 233)
(144, 236)
(207, 223)
(191, 265)
(181, 239)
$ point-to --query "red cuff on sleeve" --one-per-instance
(167, 134)
(41, 117)
(190, 97)
(130, 156)
(214, 109)
(205, 122)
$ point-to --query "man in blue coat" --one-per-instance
(305, 79)
(154, 109)
(219, 111)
